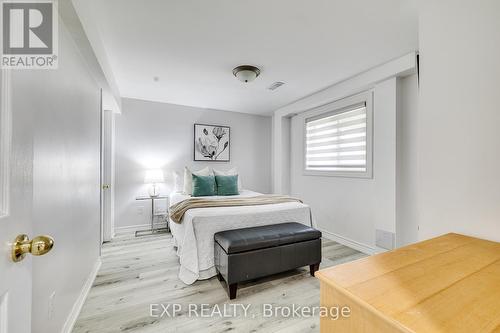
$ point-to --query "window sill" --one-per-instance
(363, 175)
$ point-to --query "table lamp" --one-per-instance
(154, 177)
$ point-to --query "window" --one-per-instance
(338, 138)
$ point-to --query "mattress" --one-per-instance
(194, 236)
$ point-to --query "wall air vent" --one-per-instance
(275, 85)
(384, 239)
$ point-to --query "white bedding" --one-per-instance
(194, 237)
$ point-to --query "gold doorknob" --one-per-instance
(106, 187)
(38, 246)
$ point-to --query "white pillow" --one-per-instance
(178, 186)
(188, 178)
(232, 172)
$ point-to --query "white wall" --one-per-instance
(399, 67)
(458, 126)
(349, 210)
(286, 138)
(159, 135)
(406, 160)
(352, 208)
(65, 107)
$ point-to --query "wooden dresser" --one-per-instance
(446, 284)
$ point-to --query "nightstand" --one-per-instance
(153, 230)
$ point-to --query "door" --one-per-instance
(107, 174)
(103, 185)
(16, 175)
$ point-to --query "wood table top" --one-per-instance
(446, 284)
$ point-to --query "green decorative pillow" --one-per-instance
(203, 186)
(227, 185)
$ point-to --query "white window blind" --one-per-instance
(337, 140)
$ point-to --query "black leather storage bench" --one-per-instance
(250, 253)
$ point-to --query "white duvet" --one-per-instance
(194, 237)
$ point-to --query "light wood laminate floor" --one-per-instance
(137, 272)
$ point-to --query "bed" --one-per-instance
(194, 236)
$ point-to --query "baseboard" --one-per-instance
(348, 242)
(77, 307)
(132, 228)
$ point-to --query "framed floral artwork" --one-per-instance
(212, 143)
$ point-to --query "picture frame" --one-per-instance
(211, 143)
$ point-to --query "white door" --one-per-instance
(107, 171)
(16, 175)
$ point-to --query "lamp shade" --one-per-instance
(154, 176)
(246, 73)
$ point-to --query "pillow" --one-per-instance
(188, 178)
(227, 185)
(203, 185)
(231, 172)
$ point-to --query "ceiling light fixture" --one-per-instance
(246, 73)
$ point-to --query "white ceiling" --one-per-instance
(193, 45)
